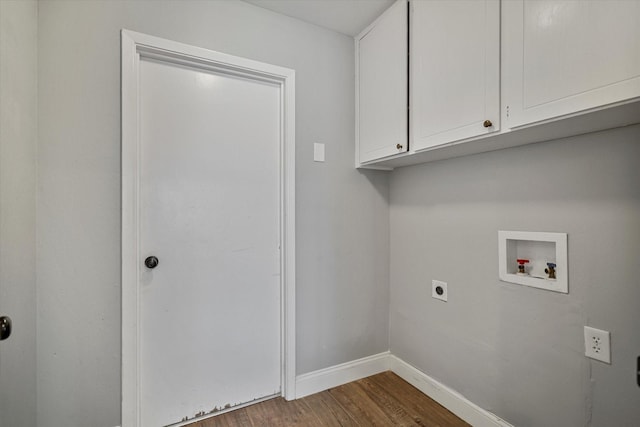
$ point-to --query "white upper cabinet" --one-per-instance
(455, 70)
(491, 74)
(566, 57)
(381, 86)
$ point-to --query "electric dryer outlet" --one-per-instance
(439, 290)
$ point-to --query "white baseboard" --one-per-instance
(450, 399)
(324, 379)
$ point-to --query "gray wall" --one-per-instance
(18, 124)
(342, 214)
(514, 350)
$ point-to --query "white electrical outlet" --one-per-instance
(439, 290)
(597, 344)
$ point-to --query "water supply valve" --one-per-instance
(521, 268)
(551, 270)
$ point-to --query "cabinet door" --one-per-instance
(381, 98)
(455, 70)
(564, 57)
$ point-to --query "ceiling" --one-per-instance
(348, 17)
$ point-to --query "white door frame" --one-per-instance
(134, 47)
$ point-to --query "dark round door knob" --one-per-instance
(487, 123)
(151, 262)
(5, 327)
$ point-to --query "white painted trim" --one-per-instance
(324, 379)
(288, 237)
(334, 376)
(133, 46)
(356, 58)
(450, 399)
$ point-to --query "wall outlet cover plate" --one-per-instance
(597, 344)
(439, 290)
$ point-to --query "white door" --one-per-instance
(565, 57)
(210, 214)
(382, 86)
(455, 70)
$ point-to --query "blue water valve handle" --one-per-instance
(551, 265)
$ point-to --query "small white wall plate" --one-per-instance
(597, 344)
(439, 290)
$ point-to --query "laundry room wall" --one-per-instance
(514, 350)
(342, 214)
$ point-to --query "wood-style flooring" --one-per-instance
(381, 400)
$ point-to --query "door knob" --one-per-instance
(5, 327)
(399, 146)
(151, 262)
(487, 123)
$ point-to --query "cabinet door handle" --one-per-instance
(487, 123)
(399, 146)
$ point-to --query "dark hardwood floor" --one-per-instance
(381, 400)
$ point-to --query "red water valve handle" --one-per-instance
(522, 261)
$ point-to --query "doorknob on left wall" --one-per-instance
(151, 262)
(5, 327)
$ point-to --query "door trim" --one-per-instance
(135, 46)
